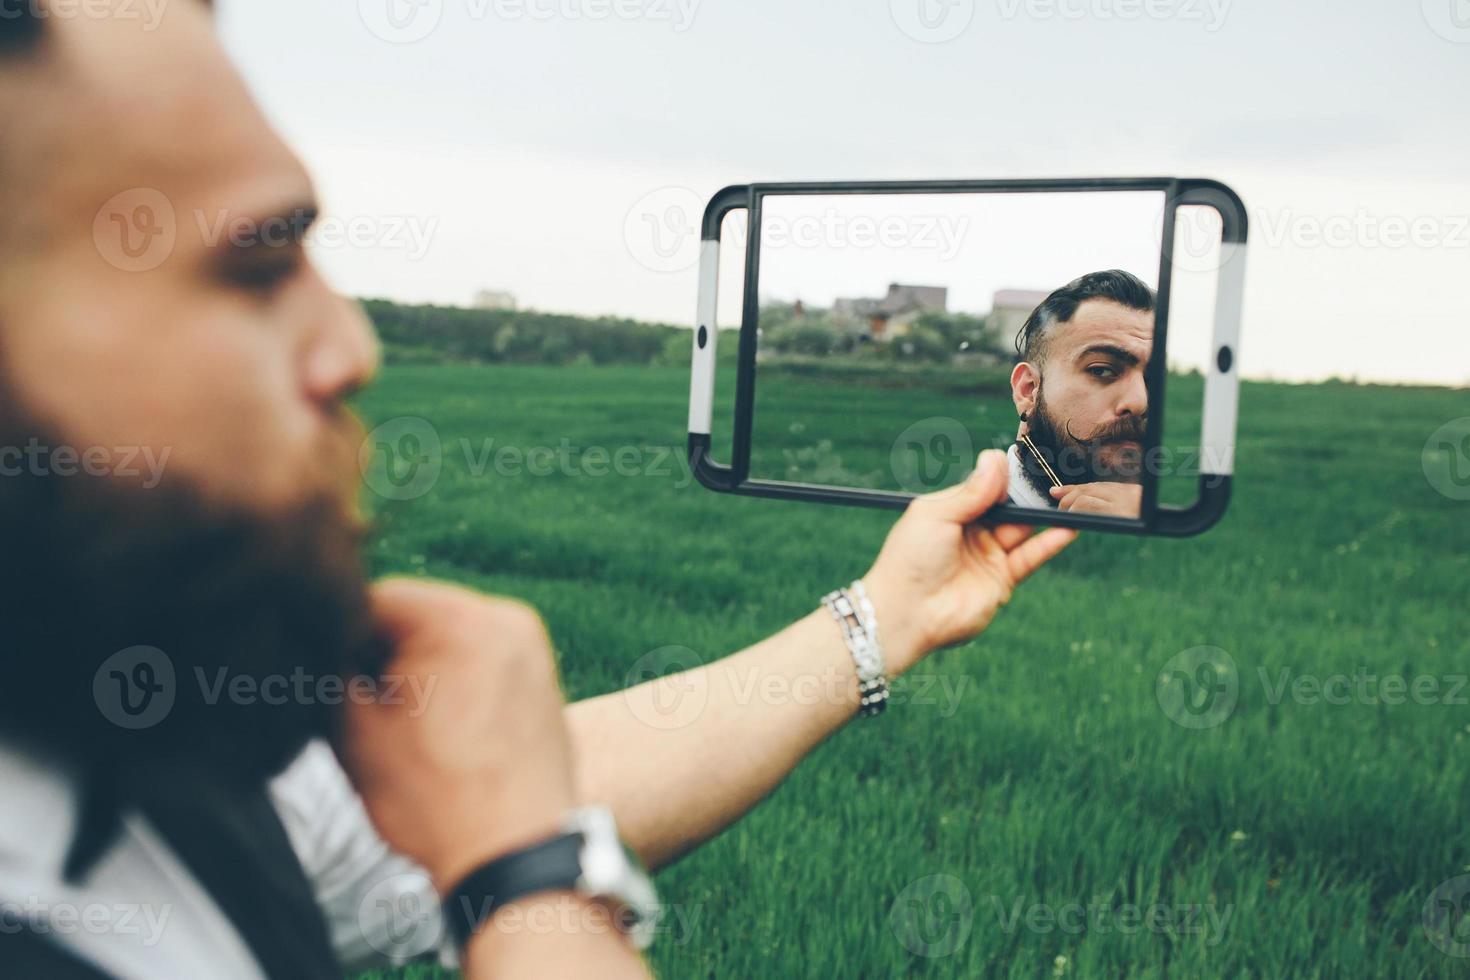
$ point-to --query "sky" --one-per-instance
(563, 149)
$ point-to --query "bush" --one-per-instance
(520, 336)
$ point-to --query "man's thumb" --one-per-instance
(983, 489)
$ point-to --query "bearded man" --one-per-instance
(210, 721)
(1081, 394)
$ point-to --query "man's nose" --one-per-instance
(1134, 395)
(342, 354)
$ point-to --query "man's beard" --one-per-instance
(94, 566)
(1078, 460)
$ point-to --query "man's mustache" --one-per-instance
(1129, 428)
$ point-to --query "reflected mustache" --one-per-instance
(1131, 428)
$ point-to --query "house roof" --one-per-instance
(1019, 299)
(905, 299)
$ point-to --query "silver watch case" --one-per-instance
(610, 873)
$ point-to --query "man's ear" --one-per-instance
(1025, 382)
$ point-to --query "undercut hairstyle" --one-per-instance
(1113, 284)
(20, 28)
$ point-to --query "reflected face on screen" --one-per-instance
(1080, 392)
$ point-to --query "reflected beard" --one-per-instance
(96, 566)
(1077, 461)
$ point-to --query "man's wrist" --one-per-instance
(903, 642)
(493, 834)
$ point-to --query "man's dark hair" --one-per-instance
(20, 28)
(1114, 284)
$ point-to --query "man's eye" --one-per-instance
(264, 271)
(1103, 372)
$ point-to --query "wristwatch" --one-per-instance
(586, 858)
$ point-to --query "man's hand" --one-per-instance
(481, 768)
(940, 577)
(484, 765)
(1109, 499)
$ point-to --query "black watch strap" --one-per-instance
(554, 865)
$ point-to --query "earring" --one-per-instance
(1025, 416)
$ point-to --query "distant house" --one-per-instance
(892, 315)
(1010, 309)
(494, 299)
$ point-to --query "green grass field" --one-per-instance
(1035, 811)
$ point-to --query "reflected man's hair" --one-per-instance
(1114, 284)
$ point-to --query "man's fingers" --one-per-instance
(1031, 554)
(1010, 535)
(400, 605)
(983, 489)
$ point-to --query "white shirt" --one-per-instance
(141, 913)
(1022, 492)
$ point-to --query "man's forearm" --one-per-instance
(681, 758)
